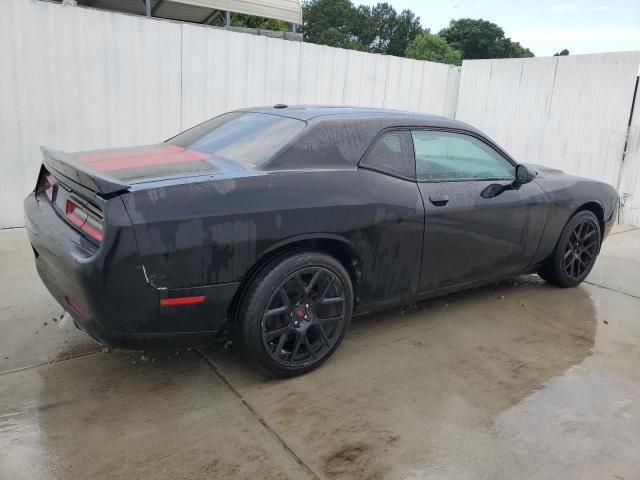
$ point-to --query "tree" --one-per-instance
(433, 48)
(330, 22)
(407, 27)
(481, 39)
(561, 53)
(335, 38)
(378, 29)
(515, 50)
(382, 30)
(251, 21)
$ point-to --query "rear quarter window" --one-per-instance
(392, 153)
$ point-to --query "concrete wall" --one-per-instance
(75, 78)
(629, 184)
(567, 112)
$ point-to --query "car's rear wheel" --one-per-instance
(295, 313)
(575, 253)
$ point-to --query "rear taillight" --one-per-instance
(84, 219)
(45, 185)
(48, 188)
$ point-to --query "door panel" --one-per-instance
(469, 237)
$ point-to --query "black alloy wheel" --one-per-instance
(576, 251)
(581, 249)
(295, 313)
(304, 317)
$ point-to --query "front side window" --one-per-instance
(392, 153)
(448, 156)
(244, 137)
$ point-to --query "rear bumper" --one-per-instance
(608, 226)
(105, 290)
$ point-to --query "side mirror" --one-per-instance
(522, 175)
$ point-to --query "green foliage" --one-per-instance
(407, 27)
(477, 38)
(562, 53)
(515, 50)
(330, 22)
(433, 48)
(388, 31)
(335, 38)
(381, 29)
(251, 21)
(378, 29)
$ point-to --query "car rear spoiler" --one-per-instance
(67, 165)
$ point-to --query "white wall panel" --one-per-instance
(206, 77)
(566, 112)
(630, 176)
(366, 77)
(439, 89)
(77, 78)
(597, 93)
(323, 73)
(13, 171)
(535, 90)
(82, 79)
(142, 78)
(403, 85)
(473, 91)
(60, 82)
(227, 70)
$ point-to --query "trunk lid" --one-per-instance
(112, 171)
(70, 167)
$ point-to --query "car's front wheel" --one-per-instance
(576, 251)
(295, 313)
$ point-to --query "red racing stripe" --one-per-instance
(141, 157)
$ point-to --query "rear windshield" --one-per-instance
(244, 137)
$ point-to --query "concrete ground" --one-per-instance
(519, 380)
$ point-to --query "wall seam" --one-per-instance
(386, 76)
(107, 26)
(419, 109)
(22, 154)
(181, 94)
(486, 100)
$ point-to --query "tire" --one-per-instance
(295, 313)
(575, 253)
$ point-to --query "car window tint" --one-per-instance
(245, 137)
(392, 153)
(442, 156)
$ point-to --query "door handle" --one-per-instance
(439, 200)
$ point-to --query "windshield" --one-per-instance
(244, 137)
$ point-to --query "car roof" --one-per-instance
(338, 136)
(310, 112)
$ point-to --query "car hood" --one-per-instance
(542, 171)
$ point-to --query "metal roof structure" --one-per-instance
(203, 11)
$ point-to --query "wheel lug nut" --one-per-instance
(307, 305)
(306, 316)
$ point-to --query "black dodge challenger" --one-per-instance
(279, 224)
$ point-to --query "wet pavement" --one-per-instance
(515, 380)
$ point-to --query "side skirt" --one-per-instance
(436, 292)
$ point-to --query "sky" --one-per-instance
(545, 27)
